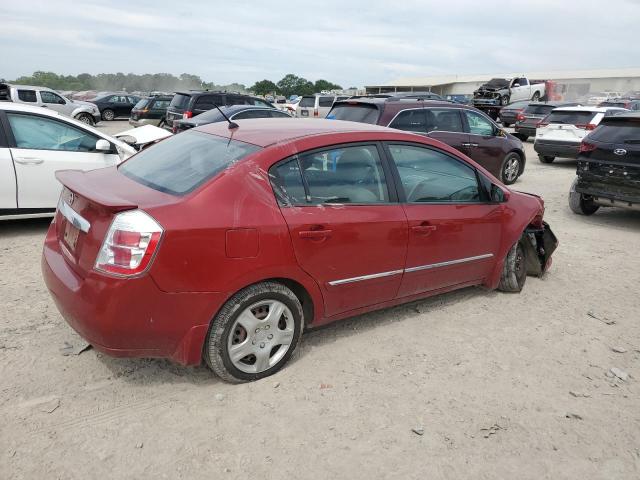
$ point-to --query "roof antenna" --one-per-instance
(232, 125)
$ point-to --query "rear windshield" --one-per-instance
(614, 104)
(180, 101)
(362, 113)
(141, 104)
(570, 118)
(538, 109)
(183, 162)
(308, 102)
(620, 131)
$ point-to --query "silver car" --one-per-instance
(315, 106)
(85, 112)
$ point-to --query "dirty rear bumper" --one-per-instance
(539, 245)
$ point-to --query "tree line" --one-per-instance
(166, 82)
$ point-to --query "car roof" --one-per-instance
(20, 107)
(29, 87)
(587, 109)
(265, 132)
(625, 115)
(405, 102)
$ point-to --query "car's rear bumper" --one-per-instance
(128, 317)
(526, 131)
(557, 148)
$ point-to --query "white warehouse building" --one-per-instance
(572, 83)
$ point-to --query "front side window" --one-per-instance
(350, 174)
(183, 162)
(161, 104)
(27, 96)
(428, 175)
(50, 97)
(40, 133)
(252, 114)
(478, 124)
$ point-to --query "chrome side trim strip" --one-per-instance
(450, 262)
(74, 217)
(365, 277)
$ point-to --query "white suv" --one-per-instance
(560, 133)
(316, 106)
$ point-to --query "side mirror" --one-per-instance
(499, 195)
(499, 132)
(516, 85)
(103, 145)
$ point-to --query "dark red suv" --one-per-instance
(463, 127)
(224, 245)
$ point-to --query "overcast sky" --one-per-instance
(352, 43)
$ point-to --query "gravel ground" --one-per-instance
(472, 384)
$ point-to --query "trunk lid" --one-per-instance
(87, 205)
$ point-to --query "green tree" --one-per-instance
(264, 87)
(321, 85)
(294, 85)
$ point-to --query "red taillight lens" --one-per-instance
(587, 147)
(187, 114)
(586, 126)
(542, 124)
(520, 117)
(130, 244)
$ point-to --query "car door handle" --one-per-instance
(314, 234)
(29, 160)
(465, 144)
(473, 144)
(424, 229)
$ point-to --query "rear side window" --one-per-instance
(142, 104)
(161, 104)
(617, 132)
(326, 101)
(411, 121)
(570, 117)
(286, 180)
(444, 120)
(308, 102)
(207, 102)
(538, 109)
(180, 101)
(252, 114)
(361, 112)
(27, 96)
(183, 162)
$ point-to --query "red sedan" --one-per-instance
(224, 244)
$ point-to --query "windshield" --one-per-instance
(180, 101)
(498, 83)
(360, 112)
(183, 162)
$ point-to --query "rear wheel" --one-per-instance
(536, 97)
(85, 118)
(511, 167)
(255, 333)
(108, 115)
(514, 271)
(546, 158)
(581, 204)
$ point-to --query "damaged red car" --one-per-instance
(224, 244)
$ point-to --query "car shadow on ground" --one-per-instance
(14, 228)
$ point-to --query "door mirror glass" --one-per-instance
(103, 145)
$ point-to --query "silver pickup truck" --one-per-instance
(85, 112)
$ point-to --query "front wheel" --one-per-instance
(85, 118)
(255, 333)
(536, 97)
(581, 204)
(504, 100)
(108, 115)
(514, 271)
(546, 158)
(511, 167)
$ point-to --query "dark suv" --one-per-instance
(608, 166)
(194, 102)
(115, 105)
(528, 119)
(462, 127)
(150, 111)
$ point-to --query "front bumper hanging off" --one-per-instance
(540, 243)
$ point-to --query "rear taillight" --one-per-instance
(520, 117)
(587, 147)
(187, 114)
(542, 124)
(130, 244)
(586, 126)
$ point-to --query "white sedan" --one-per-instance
(34, 143)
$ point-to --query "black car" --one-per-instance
(115, 105)
(233, 112)
(194, 102)
(608, 166)
(509, 113)
(150, 111)
(527, 121)
(628, 103)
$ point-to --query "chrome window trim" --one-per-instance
(409, 270)
(74, 217)
(447, 263)
(365, 277)
(431, 107)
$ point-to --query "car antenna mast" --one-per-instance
(232, 125)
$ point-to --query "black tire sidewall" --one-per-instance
(105, 116)
(222, 348)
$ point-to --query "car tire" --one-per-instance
(239, 324)
(511, 168)
(546, 158)
(85, 118)
(161, 123)
(579, 204)
(514, 270)
(504, 100)
(506, 124)
(108, 115)
(536, 97)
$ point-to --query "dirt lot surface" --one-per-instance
(496, 386)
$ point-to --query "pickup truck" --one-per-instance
(499, 92)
